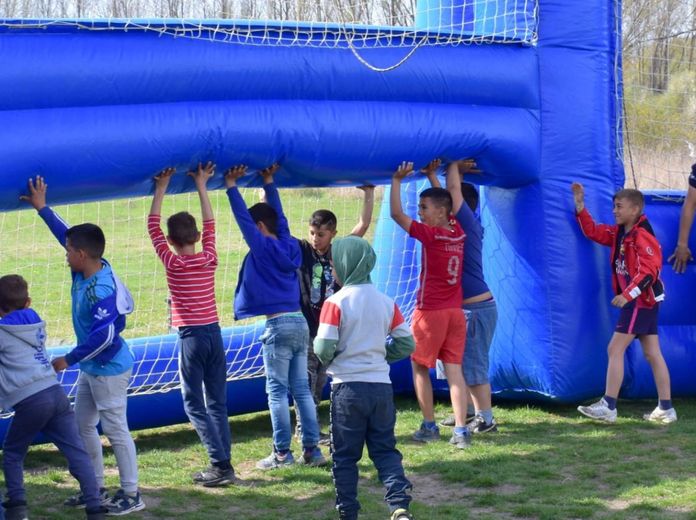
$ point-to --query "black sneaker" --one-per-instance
(449, 420)
(78, 501)
(122, 504)
(324, 439)
(213, 476)
(479, 425)
(15, 510)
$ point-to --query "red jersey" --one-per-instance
(190, 278)
(441, 265)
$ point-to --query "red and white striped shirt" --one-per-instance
(190, 278)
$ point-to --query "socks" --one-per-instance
(487, 415)
(665, 404)
(470, 410)
(611, 402)
(461, 430)
(430, 425)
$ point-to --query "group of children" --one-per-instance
(312, 329)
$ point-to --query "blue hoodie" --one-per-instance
(268, 282)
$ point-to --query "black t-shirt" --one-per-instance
(316, 284)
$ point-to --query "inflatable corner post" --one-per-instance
(96, 112)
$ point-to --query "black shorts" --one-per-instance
(638, 320)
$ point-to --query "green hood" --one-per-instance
(353, 259)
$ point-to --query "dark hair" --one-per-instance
(14, 293)
(263, 212)
(88, 238)
(323, 217)
(440, 197)
(182, 229)
(635, 197)
(471, 195)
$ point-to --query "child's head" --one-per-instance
(14, 294)
(84, 243)
(435, 206)
(182, 230)
(352, 260)
(322, 229)
(628, 206)
(265, 217)
(471, 195)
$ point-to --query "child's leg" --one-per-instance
(277, 354)
(618, 344)
(299, 387)
(348, 430)
(458, 392)
(29, 419)
(87, 417)
(215, 381)
(61, 429)
(653, 354)
(110, 394)
(381, 445)
(424, 390)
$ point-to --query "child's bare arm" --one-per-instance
(578, 196)
(430, 171)
(366, 214)
(397, 213)
(161, 183)
(454, 186)
(201, 177)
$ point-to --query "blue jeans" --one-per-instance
(479, 336)
(364, 413)
(285, 342)
(203, 368)
(47, 412)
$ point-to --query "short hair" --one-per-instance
(14, 293)
(440, 197)
(635, 197)
(263, 212)
(182, 229)
(88, 238)
(323, 217)
(471, 195)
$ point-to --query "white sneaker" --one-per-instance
(661, 416)
(599, 411)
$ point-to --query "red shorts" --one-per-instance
(439, 334)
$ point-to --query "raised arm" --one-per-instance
(161, 184)
(201, 177)
(273, 198)
(366, 214)
(430, 171)
(600, 233)
(37, 198)
(253, 237)
(397, 213)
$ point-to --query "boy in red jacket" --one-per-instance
(636, 260)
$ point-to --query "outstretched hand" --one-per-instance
(679, 259)
(268, 173)
(233, 174)
(468, 166)
(578, 196)
(431, 168)
(37, 193)
(203, 174)
(404, 170)
(162, 179)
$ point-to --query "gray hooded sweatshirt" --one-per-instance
(24, 365)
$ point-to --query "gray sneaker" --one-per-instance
(661, 416)
(313, 457)
(425, 434)
(599, 411)
(479, 425)
(401, 514)
(123, 504)
(276, 460)
(461, 442)
(449, 420)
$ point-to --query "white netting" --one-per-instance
(659, 68)
(319, 23)
(37, 257)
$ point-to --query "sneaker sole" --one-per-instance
(660, 421)
(138, 507)
(601, 419)
(492, 429)
(217, 483)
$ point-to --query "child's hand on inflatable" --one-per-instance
(268, 173)
(234, 173)
(431, 168)
(37, 193)
(404, 170)
(202, 175)
(468, 166)
(162, 179)
(578, 195)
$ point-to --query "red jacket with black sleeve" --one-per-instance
(642, 253)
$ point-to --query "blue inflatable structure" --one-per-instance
(98, 111)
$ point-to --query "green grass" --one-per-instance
(545, 463)
(34, 253)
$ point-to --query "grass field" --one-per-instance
(34, 253)
(545, 463)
